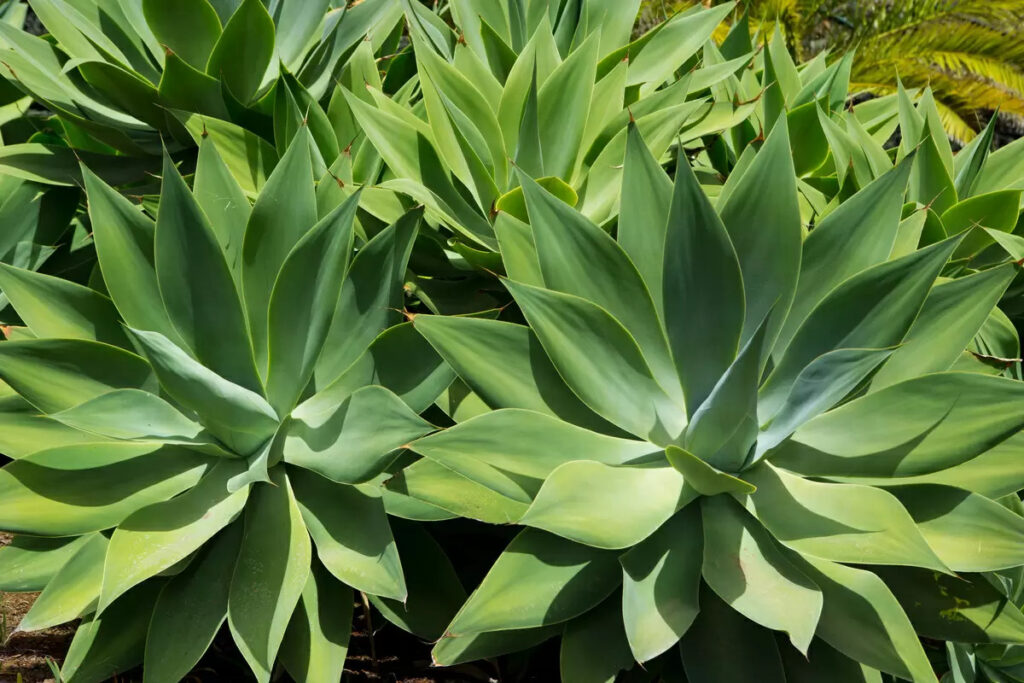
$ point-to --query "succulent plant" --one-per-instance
(235, 388)
(731, 440)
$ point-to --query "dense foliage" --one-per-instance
(285, 286)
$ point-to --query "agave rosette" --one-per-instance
(547, 85)
(116, 72)
(237, 388)
(725, 435)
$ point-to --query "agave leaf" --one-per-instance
(872, 310)
(930, 180)
(612, 377)
(824, 663)
(859, 234)
(498, 450)
(196, 285)
(160, 535)
(969, 532)
(304, 298)
(272, 569)
(993, 210)
(748, 571)
(190, 28)
(709, 652)
(704, 478)
(105, 646)
(675, 42)
(131, 414)
(244, 51)
(594, 645)
(56, 308)
(297, 23)
(863, 620)
(505, 364)
(430, 482)
(518, 251)
(188, 89)
(29, 563)
(952, 315)
(250, 158)
(661, 584)
(965, 608)
(351, 534)
(539, 580)
(453, 650)
(241, 418)
(316, 642)
(57, 374)
(73, 590)
(838, 522)
(563, 103)
(371, 298)
(604, 506)
(124, 249)
(435, 591)
(26, 432)
(970, 161)
(763, 222)
(191, 609)
(918, 427)
(224, 203)
(643, 215)
(284, 211)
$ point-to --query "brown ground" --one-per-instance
(26, 653)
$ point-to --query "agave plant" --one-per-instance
(234, 390)
(546, 86)
(730, 441)
(115, 73)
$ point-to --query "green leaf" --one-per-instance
(56, 308)
(859, 234)
(430, 482)
(704, 478)
(506, 366)
(604, 506)
(514, 201)
(952, 316)
(90, 487)
(191, 609)
(316, 643)
(661, 583)
(594, 645)
(930, 180)
(724, 428)
(579, 258)
(965, 608)
(563, 103)
(108, 645)
(748, 571)
(28, 563)
(919, 426)
(304, 298)
(499, 450)
(351, 533)
(674, 43)
(435, 591)
(249, 157)
(969, 532)
(297, 23)
(763, 220)
(131, 414)
(157, 537)
(354, 440)
(371, 297)
(644, 214)
(57, 374)
(25, 432)
(271, 573)
(224, 203)
(970, 161)
(244, 51)
(189, 28)
(823, 663)
(540, 579)
(862, 620)
(239, 417)
(73, 590)
(611, 377)
(196, 285)
(704, 324)
(994, 211)
(124, 248)
(872, 310)
(452, 650)
(838, 522)
(709, 646)
(188, 89)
